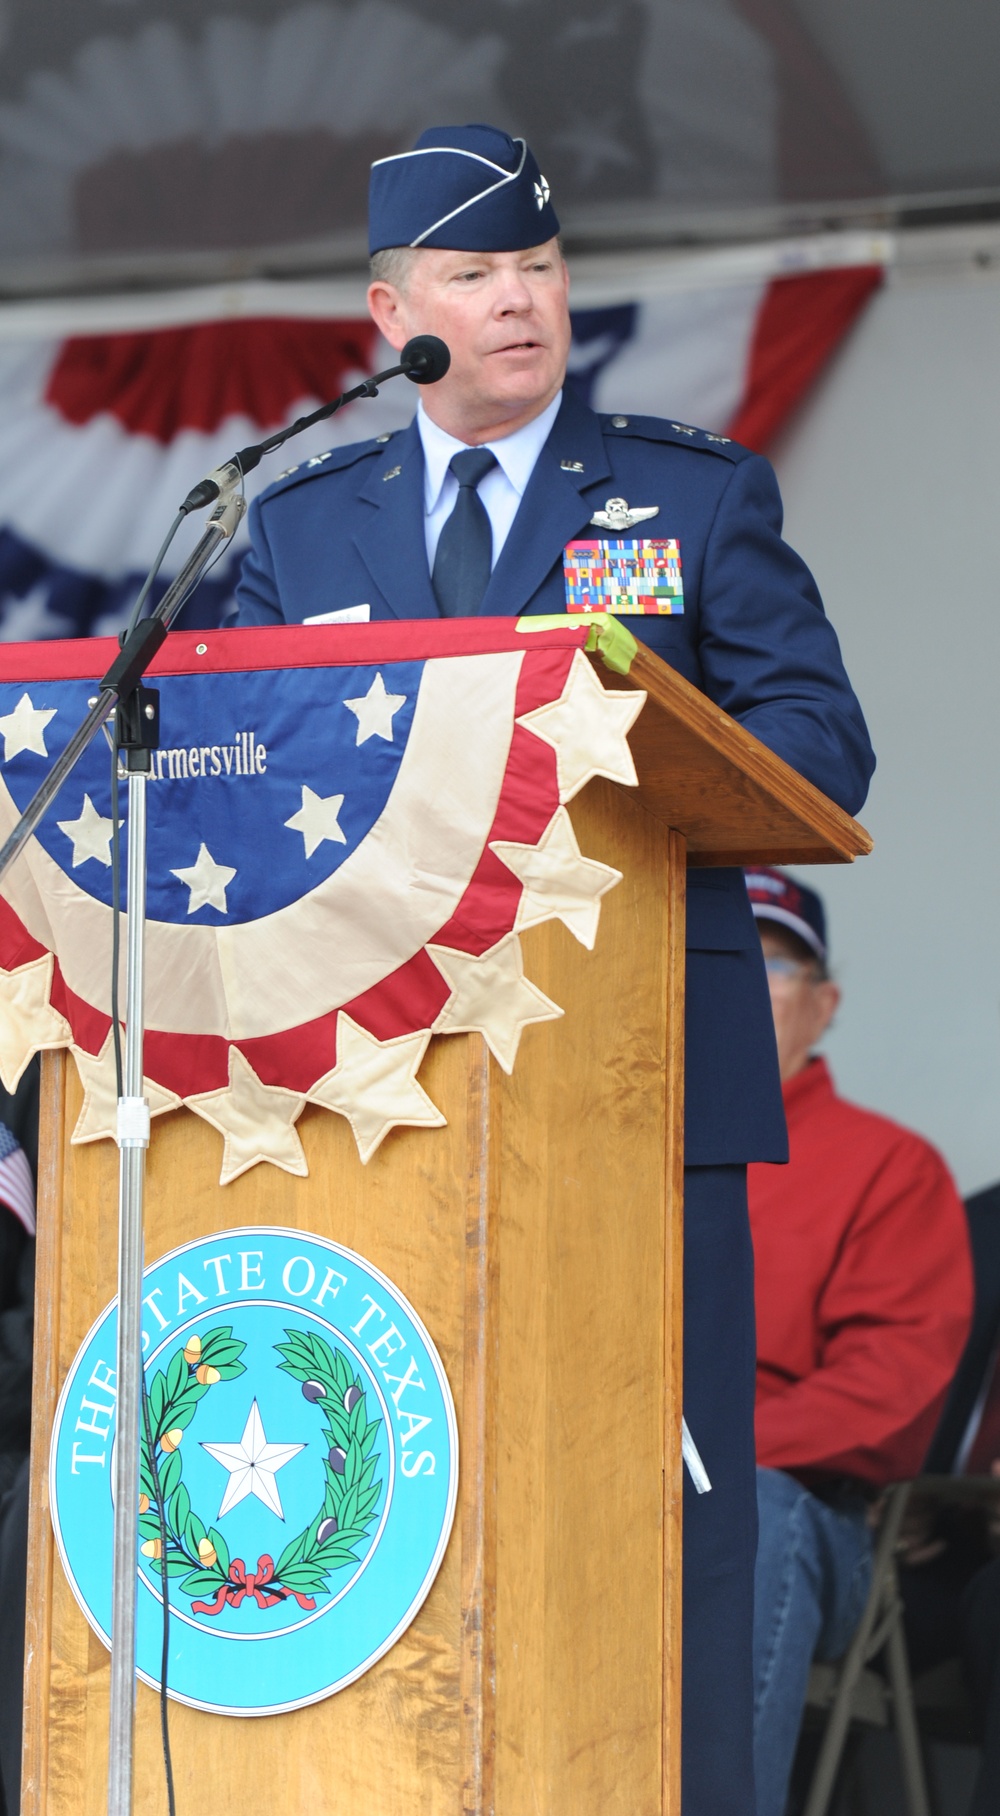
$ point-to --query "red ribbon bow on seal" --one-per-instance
(250, 1582)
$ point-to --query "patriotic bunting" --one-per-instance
(348, 830)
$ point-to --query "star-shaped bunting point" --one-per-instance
(207, 881)
(559, 882)
(491, 996)
(374, 1085)
(317, 819)
(28, 1022)
(375, 711)
(253, 1464)
(256, 1121)
(90, 834)
(24, 729)
(98, 1118)
(588, 728)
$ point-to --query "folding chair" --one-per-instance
(849, 1690)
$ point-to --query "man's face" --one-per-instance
(505, 318)
(803, 1002)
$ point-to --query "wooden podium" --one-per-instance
(539, 1237)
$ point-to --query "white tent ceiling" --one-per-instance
(179, 140)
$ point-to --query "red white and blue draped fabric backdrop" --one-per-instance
(348, 830)
(101, 435)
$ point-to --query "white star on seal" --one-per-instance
(317, 819)
(90, 835)
(559, 882)
(24, 729)
(207, 882)
(375, 711)
(253, 1464)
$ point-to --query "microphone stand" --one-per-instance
(137, 712)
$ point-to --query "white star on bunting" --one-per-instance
(375, 711)
(317, 819)
(491, 996)
(98, 1118)
(90, 834)
(28, 1022)
(374, 1084)
(207, 882)
(588, 727)
(24, 729)
(253, 1464)
(559, 882)
(255, 1119)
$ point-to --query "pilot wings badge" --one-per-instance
(617, 515)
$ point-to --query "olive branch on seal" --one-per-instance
(199, 1554)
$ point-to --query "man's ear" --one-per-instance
(385, 306)
(830, 998)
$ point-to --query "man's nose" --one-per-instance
(514, 295)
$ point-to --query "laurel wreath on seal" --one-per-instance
(199, 1553)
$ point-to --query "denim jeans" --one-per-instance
(814, 1566)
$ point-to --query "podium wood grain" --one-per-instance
(538, 1236)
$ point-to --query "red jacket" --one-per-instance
(863, 1289)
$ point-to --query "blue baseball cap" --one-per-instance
(777, 897)
(461, 188)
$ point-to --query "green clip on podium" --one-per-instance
(538, 1236)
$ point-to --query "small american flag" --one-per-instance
(17, 1188)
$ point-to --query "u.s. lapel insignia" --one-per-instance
(571, 466)
(617, 515)
(393, 473)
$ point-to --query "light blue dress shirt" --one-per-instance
(501, 490)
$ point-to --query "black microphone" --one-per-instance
(425, 359)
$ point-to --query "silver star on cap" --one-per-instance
(617, 515)
(542, 192)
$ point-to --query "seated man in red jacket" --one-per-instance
(864, 1297)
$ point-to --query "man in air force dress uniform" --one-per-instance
(470, 510)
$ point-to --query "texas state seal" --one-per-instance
(299, 1460)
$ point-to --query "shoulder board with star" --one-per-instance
(680, 434)
(335, 460)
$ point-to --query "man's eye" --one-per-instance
(468, 277)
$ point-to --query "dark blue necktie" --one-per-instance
(464, 557)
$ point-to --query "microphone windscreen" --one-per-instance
(425, 359)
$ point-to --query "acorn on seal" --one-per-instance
(206, 1374)
(192, 1351)
(152, 1548)
(326, 1531)
(144, 1503)
(171, 1439)
(336, 1459)
(207, 1554)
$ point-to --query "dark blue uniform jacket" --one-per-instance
(347, 528)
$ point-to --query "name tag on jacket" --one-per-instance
(625, 576)
(348, 614)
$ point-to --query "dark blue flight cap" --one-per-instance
(464, 188)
